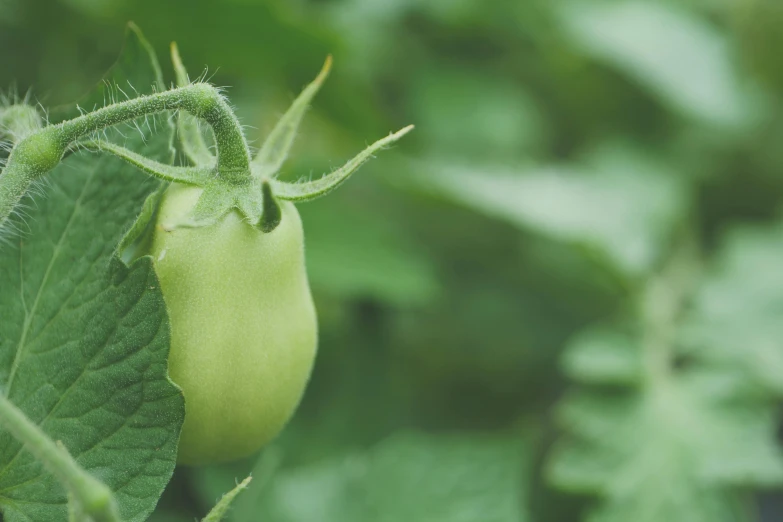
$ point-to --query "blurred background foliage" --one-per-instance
(558, 299)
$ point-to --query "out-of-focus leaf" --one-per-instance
(359, 253)
(663, 439)
(676, 55)
(619, 204)
(603, 355)
(667, 454)
(9, 11)
(475, 115)
(169, 515)
(407, 477)
(757, 24)
(736, 317)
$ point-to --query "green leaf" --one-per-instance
(409, 476)
(656, 437)
(677, 56)
(735, 319)
(277, 145)
(505, 120)
(188, 126)
(604, 356)
(668, 454)
(125, 80)
(618, 202)
(84, 338)
(354, 251)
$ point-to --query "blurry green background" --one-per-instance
(561, 148)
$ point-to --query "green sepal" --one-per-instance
(199, 175)
(255, 201)
(310, 190)
(271, 214)
(275, 149)
(138, 238)
(188, 129)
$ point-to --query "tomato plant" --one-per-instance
(561, 303)
(227, 248)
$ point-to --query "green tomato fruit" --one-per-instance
(243, 325)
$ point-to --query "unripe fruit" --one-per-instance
(243, 325)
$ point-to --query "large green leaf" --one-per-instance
(736, 317)
(84, 338)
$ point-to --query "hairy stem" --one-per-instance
(221, 508)
(40, 151)
(200, 99)
(94, 497)
(193, 144)
(14, 183)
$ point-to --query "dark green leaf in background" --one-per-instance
(674, 54)
(355, 252)
(409, 476)
(736, 316)
(619, 203)
(662, 433)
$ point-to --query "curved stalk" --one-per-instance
(40, 151)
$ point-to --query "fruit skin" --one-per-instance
(243, 325)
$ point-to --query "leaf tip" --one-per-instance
(175, 53)
(402, 132)
(327, 67)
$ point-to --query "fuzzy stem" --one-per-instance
(93, 496)
(200, 99)
(41, 151)
(14, 183)
(221, 508)
(193, 144)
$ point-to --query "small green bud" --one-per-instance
(39, 152)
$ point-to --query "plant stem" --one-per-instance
(661, 305)
(200, 99)
(40, 151)
(94, 497)
(221, 508)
